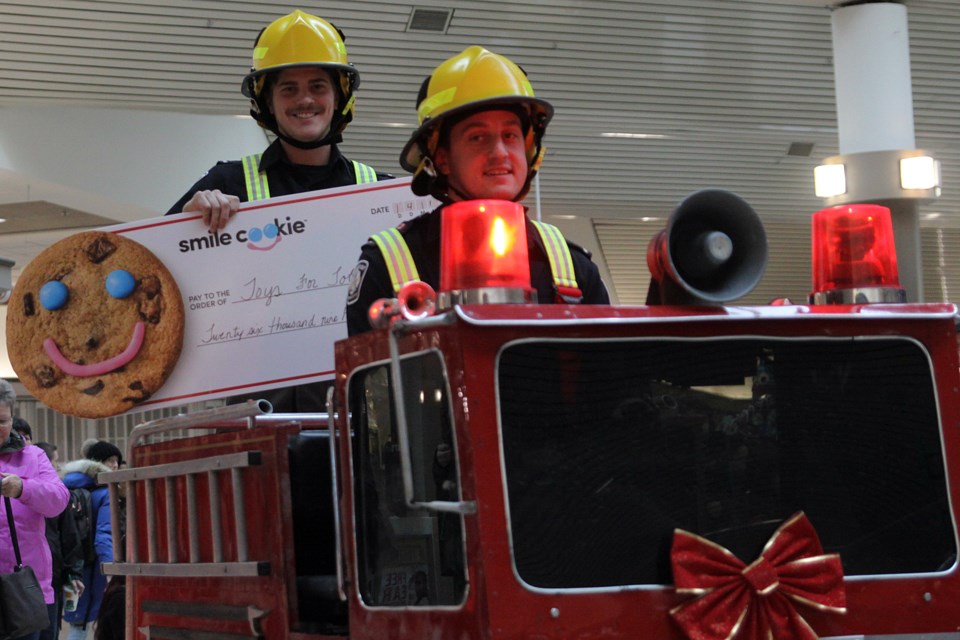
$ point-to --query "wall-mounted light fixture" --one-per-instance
(919, 172)
(830, 180)
(873, 176)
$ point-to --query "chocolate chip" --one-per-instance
(150, 310)
(145, 396)
(136, 385)
(28, 307)
(46, 376)
(92, 343)
(100, 249)
(94, 389)
(150, 286)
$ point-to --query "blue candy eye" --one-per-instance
(255, 235)
(54, 295)
(271, 231)
(120, 283)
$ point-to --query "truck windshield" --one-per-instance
(610, 445)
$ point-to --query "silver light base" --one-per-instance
(863, 295)
(487, 295)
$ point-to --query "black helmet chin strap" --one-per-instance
(461, 194)
(330, 138)
(464, 196)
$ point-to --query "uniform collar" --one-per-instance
(274, 155)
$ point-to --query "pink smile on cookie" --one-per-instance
(254, 247)
(98, 368)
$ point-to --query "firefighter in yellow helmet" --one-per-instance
(302, 88)
(480, 136)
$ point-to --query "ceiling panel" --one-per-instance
(714, 92)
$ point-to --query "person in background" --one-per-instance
(111, 621)
(67, 552)
(36, 493)
(480, 137)
(52, 454)
(82, 474)
(301, 88)
(22, 427)
(85, 447)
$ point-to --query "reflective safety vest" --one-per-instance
(402, 269)
(259, 189)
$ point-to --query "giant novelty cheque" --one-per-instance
(265, 297)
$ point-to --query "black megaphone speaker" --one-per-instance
(713, 250)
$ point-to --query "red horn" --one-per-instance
(417, 300)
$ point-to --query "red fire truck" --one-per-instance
(507, 470)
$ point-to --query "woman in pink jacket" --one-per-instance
(36, 492)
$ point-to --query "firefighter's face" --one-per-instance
(485, 157)
(303, 100)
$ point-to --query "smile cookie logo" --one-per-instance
(260, 238)
(263, 239)
(94, 325)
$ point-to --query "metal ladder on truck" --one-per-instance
(187, 519)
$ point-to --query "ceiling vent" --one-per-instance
(803, 149)
(430, 20)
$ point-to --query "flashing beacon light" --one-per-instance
(483, 248)
(854, 256)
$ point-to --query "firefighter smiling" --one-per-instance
(480, 138)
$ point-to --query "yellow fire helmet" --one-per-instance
(473, 80)
(299, 39)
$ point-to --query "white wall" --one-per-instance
(123, 165)
(135, 163)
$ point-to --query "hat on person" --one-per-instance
(22, 426)
(471, 81)
(104, 450)
(300, 39)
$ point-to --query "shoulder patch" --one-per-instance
(356, 281)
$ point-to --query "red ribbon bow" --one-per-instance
(756, 601)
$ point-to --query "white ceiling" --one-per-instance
(724, 87)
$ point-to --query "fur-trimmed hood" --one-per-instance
(89, 468)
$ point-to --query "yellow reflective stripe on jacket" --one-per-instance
(365, 173)
(397, 255)
(258, 188)
(256, 180)
(561, 262)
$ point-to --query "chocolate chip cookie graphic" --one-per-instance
(94, 325)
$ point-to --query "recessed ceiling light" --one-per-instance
(642, 136)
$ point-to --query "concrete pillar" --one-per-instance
(874, 96)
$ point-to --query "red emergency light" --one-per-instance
(484, 246)
(854, 256)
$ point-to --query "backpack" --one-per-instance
(81, 508)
